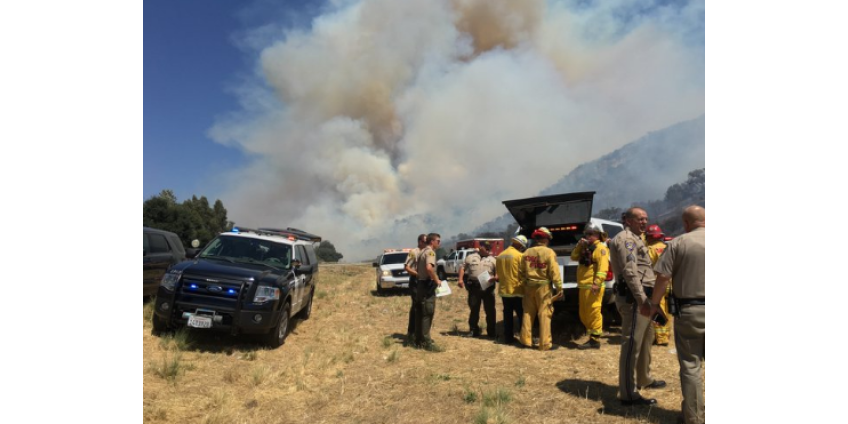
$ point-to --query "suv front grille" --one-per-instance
(400, 273)
(220, 293)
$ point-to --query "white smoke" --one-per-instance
(389, 118)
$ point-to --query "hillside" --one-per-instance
(640, 172)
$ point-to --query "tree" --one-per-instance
(192, 219)
(327, 252)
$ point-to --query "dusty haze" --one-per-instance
(386, 119)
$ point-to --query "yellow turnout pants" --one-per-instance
(590, 311)
(663, 331)
(537, 304)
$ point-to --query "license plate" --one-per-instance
(197, 321)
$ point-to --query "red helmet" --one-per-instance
(655, 232)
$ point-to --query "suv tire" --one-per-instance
(278, 334)
(159, 325)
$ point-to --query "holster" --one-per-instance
(673, 307)
(621, 289)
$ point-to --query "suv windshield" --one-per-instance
(394, 258)
(248, 250)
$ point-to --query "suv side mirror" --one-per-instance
(375, 264)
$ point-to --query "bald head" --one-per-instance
(693, 217)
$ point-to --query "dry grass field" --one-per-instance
(347, 364)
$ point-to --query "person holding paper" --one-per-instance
(411, 267)
(480, 290)
(592, 256)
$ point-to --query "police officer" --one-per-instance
(632, 265)
(425, 301)
(592, 256)
(475, 264)
(656, 246)
(539, 271)
(684, 263)
(411, 268)
(511, 288)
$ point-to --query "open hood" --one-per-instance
(554, 210)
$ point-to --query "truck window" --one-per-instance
(611, 230)
(158, 243)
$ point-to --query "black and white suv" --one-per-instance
(243, 282)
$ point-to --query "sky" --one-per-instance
(370, 121)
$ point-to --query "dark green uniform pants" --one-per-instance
(425, 308)
(476, 296)
(689, 337)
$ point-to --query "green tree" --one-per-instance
(327, 252)
(191, 219)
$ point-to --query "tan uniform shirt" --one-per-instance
(632, 263)
(538, 266)
(412, 259)
(475, 265)
(507, 264)
(685, 261)
(427, 256)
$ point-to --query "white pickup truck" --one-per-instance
(450, 264)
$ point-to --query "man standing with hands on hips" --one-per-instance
(634, 286)
(684, 263)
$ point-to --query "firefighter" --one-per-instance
(539, 272)
(511, 288)
(634, 286)
(656, 246)
(592, 256)
(477, 263)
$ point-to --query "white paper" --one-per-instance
(484, 280)
(443, 289)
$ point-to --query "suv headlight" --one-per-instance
(387, 273)
(265, 294)
(169, 280)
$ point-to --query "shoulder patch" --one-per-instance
(629, 245)
(431, 253)
(603, 252)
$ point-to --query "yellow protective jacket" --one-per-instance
(507, 264)
(539, 266)
(655, 249)
(597, 271)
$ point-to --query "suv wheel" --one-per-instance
(278, 334)
(380, 291)
(441, 273)
(159, 325)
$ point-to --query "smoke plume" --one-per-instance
(385, 119)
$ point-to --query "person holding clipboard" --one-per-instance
(477, 276)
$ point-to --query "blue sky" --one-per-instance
(192, 64)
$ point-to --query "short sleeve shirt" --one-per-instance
(427, 256)
(684, 260)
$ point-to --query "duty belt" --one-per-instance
(684, 302)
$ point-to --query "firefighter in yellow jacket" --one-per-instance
(656, 246)
(539, 271)
(592, 256)
(510, 287)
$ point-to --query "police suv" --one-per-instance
(391, 272)
(243, 282)
(565, 215)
